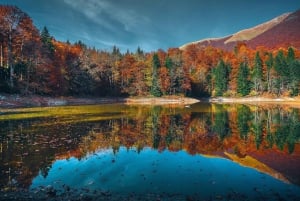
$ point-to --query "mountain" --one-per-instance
(282, 31)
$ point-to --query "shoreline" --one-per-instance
(252, 99)
(288, 101)
(15, 100)
(161, 101)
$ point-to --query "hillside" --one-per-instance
(282, 31)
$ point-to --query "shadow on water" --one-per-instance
(188, 152)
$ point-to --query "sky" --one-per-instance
(148, 24)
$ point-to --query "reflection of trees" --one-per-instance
(221, 122)
(32, 145)
(282, 128)
(288, 131)
(243, 118)
(29, 146)
(155, 127)
(257, 126)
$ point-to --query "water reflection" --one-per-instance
(36, 141)
(149, 172)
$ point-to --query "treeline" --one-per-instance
(33, 62)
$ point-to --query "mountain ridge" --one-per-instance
(283, 30)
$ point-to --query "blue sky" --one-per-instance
(150, 24)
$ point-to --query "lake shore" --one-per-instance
(161, 101)
(253, 99)
(14, 101)
(257, 100)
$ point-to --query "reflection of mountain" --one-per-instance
(249, 161)
(289, 167)
(264, 139)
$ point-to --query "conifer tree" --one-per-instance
(170, 66)
(155, 90)
(47, 41)
(243, 84)
(294, 72)
(269, 63)
(257, 74)
(221, 77)
(282, 68)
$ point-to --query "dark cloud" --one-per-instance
(150, 24)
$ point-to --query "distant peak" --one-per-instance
(208, 40)
(280, 31)
(248, 34)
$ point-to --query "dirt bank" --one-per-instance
(14, 101)
(161, 101)
(291, 101)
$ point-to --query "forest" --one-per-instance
(32, 62)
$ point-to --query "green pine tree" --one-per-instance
(171, 67)
(243, 83)
(257, 74)
(294, 68)
(282, 69)
(294, 72)
(291, 55)
(269, 63)
(221, 77)
(155, 89)
(47, 41)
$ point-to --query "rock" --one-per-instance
(50, 191)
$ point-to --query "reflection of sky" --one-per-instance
(167, 172)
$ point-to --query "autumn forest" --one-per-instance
(34, 62)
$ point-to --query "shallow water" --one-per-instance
(224, 152)
(150, 172)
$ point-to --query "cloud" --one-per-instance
(108, 22)
(109, 14)
(91, 9)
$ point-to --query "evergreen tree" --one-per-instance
(168, 63)
(294, 68)
(221, 77)
(257, 74)
(170, 66)
(47, 41)
(291, 55)
(155, 61)
(282, 68)
(269, 63)
(139, 54)
(243, 84)
(155, 90)
(139, 51)
(294, 72)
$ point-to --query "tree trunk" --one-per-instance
(1, 52)
(10, 62)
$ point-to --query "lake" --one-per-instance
(115, 151)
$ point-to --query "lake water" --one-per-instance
(200, 152)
